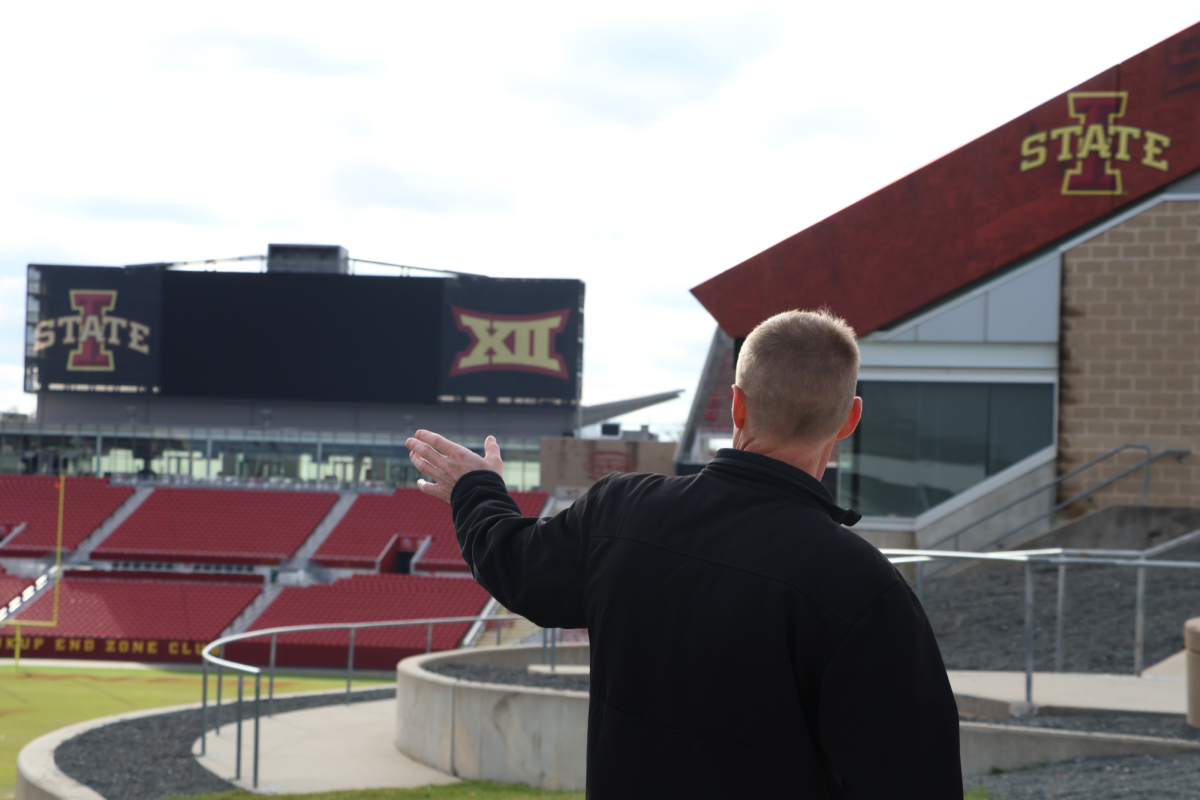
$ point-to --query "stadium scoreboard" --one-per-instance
(297, 336)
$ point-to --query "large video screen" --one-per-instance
(296, 336)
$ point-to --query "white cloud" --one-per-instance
(640, 147)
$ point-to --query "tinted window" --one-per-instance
(919, 444)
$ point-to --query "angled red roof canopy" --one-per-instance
(1106, 143)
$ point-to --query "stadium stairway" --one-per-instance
(250, 614)
(29, 505)
(303, 555)
(83, 552)
(300, 563)
(511, 632)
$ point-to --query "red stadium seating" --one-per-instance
(365, 598)
(11, 586)
(33, 499)
(225, 526)
(144, 620)
(376, 526)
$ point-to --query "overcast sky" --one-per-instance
(642, 147)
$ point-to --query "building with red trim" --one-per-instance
(1024, 305)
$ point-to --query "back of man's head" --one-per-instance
(798, 370)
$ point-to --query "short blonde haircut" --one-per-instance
(799, 371)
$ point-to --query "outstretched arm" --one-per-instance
(534, 567)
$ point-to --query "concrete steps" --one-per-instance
(509, 634)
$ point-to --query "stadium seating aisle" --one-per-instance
(361, 540)
(365, 598)
(33, 499)
(151, 620)
(224, 526)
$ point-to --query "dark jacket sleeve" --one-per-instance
(533, 567)
(888, 723)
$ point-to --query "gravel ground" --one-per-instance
(979, 616)
(1102, 778)
(520, 677)
(151, 757)
(1169, 726)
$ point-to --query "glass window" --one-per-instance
(919, 444)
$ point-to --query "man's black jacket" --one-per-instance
(743, 643)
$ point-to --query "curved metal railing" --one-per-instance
(222, 664)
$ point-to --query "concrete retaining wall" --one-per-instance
(987, 747)
(512, 734)
(39, 778)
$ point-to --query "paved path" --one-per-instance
(321, 750)
(1158, 693)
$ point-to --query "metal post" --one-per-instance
(257, 695)
(1060, 609)
(544, 643)
(921, 582)
(429, 638)
(220, 686)
(1029, 632)
(1139, 629)
(554, 650)
(238, 771)
(350, 666)
(204, 707)
(499, 625)
(1146, 482)
(271, 682)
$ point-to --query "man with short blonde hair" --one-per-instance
(800, 371)
(743, 642)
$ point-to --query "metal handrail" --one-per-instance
(1059, 556)
(1145, 463)
(221, 663)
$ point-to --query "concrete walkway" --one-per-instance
(1161, 689)
(320, 750)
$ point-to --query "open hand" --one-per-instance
(446, 462)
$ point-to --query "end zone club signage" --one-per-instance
(120, 649)
(92, 327)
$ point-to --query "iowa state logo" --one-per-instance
(1096, 145)
(524, 343)
(93, 331)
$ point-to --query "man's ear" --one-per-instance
(852, 420)
(739, 407)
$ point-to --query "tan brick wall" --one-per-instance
(1130, 359)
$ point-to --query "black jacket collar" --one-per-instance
(783, 475)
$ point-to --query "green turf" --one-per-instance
(977, 793)
(454, 791)
(37, 700)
